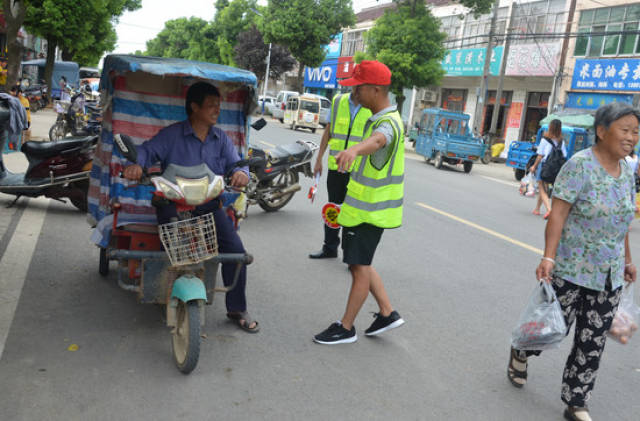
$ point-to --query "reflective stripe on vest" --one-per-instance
(375, 196)
(344, 132)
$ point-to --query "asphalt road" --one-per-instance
(459, 271)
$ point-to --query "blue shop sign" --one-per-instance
(323, 76)
(591, 101)
(470, 61)
(333, 48)
(607, 75)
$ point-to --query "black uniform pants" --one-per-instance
(337, 189)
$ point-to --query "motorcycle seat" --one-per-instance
(290, 151)
(49, 149)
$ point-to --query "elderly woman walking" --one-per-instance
(586, 256)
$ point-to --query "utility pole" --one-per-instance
(503, 67)
(558, 76)
(482, 97)
(266, 79)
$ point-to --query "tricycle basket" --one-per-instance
(190, 241)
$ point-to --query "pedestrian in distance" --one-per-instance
(373, 202)
(345, 129)
(587, 258)
(195, 141)
(551, 140)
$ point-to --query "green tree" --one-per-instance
(408, 40)
(178, 39)
(83, 30)
(305, 27)
(14, 14)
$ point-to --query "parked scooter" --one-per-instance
(56, 170)
(76, 118)
(36, 97)
(275, 173)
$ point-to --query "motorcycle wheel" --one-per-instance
(81, 202)
(103, 266)
(486, 158)
(286, 179)
(34, 106)
(185, 341)
(57, 131)
(437, 161)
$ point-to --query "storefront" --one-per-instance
(537, 103)
(453, 99)
(505, 104)
(323, 80)
(597, 82)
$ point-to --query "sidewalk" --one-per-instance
(41, 122)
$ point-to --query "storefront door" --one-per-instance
(537, 103)
(454, 99)
(505, 103)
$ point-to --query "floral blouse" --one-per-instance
(592, 241)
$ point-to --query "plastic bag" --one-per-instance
(527, 186)
(627, 318)
(541, 325)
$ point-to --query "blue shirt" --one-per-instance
(178, 144)
(353, 110)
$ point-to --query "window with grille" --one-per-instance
(599, 27)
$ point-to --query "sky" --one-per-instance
(136, 28)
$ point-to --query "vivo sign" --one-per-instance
(321, 77)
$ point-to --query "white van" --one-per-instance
(302, 111)
(277, 110)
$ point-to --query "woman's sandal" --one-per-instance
(518, 378)
(244, 321)
(574, 413)
(535, 212)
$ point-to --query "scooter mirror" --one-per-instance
(259, 124)
(126, 147)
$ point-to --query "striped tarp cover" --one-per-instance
(141, 114)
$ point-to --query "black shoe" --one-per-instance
(336, 334)
(382, 324)
(323, 254)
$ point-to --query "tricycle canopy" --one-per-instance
(142, 95)
(68, 69)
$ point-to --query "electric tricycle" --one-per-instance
(173, 264)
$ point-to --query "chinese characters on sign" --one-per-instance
(515, 114)
(609, 75)
(470, 61)
(592, 100)
(533, 59)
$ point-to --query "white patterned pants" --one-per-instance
(593, 313)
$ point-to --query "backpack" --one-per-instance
(551, 167)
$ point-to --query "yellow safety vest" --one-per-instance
(374, 196)
(343, 133)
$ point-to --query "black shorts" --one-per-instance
(359, 244)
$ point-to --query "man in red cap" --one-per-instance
(373, 202)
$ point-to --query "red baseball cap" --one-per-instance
(369, 72)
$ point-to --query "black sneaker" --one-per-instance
(336, 334)
(382, 324)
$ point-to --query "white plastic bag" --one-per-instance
(627, 318)
(541, 325)
(527, 185)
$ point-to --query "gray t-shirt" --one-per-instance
(382, 155)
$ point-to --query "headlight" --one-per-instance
(216, 187)
(194, 190)
(169, 190)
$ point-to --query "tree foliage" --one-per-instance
(408, 40)
(251, 53)
(83, 30)
(180, 38)
(306, 26)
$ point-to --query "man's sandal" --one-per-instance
(574, 413)
(244, 321)
(517, 370)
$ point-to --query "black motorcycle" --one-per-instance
(76, 118)
(274, 174)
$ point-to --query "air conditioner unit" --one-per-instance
(429, 96)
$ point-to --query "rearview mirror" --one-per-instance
(259, 124)
(125, 145)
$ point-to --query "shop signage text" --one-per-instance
(533, 59)
(470, 61)
(321, 77)
(345, 67)
(607, 75)
(591, 101)
(333, 48)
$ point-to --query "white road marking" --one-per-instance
(483, 229)
(497, 180)
(15, 264)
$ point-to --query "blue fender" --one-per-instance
(187, 288)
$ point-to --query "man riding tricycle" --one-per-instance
(173, 131)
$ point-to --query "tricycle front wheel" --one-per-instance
(467, 166)
(186, 336)
(437, 161)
